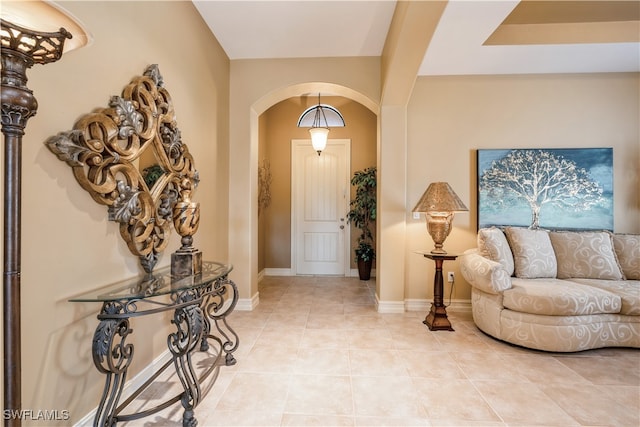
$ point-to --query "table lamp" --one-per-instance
(439, 204)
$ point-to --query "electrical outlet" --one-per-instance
(450, 276)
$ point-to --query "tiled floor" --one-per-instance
(316, 353)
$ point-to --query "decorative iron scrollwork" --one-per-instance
(108, 150)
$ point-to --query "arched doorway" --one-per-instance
(275, 131)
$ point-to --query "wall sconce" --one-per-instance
(439, 204)
(318, 119)
(22, 47)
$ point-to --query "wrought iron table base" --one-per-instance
(195, 311)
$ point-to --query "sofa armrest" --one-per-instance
(484, 274)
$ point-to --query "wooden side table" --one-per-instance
(437, 319)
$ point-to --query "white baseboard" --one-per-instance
(132, 385)
(459, 305)
(417, 304)
(248, 304)
(389, 307)
(278, 272)
(289, 272)
(396, 307)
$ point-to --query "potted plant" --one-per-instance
(362, 214)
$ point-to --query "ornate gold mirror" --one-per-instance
(131, 158)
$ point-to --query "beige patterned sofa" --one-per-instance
(556, 291)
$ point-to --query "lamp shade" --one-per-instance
(46, 16)
(440, 197)
(319, 138)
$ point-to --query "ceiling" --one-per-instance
(472, 37)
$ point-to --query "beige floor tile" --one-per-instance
(419, 339)
(431, 364)
(453, 422)
(386, 397)
(597, 405)
(360, 309)
(239, 418)
(487, 366)
(323, 307)
(604, 370)
(315, 352)
(369, 338)
(543, 369)
(326, 321)
(256, 392)
(517, 402)
(317, 420)
(453, 398)
(461, 341)
(322, 361)
(287, 320)
(324, 338)
(377, 363)
(372, 321)
(391, 422)
(272, 359)
(319, 395)
(280, 337)
(248, 319)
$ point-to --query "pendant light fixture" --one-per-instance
(318, 119)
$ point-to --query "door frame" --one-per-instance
(295, 143)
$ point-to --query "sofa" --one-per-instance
(560, 291)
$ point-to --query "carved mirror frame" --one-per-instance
(131, 158)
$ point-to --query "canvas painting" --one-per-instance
(566, 189)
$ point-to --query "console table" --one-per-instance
(437, 319)
(198, 302)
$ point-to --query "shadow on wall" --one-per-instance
(68, 379)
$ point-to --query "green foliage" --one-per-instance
(152, 174)
(362, 211)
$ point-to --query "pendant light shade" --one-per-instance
(319, 119)
(319, 138)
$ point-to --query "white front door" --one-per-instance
(319, 204)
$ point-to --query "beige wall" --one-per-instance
(68, 246)
(451, 117)
(280, 128)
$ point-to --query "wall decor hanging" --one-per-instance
(569, 189)
(264, 185)
(131, 158)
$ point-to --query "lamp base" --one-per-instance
(186, 263)
(437, 319)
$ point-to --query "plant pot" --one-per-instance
(364, 269)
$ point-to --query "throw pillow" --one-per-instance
(492, 244)
(533, 254)
(627, 249)
(585, 254)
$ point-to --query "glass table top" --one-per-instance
(159, 283)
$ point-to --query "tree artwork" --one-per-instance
(539, 178)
